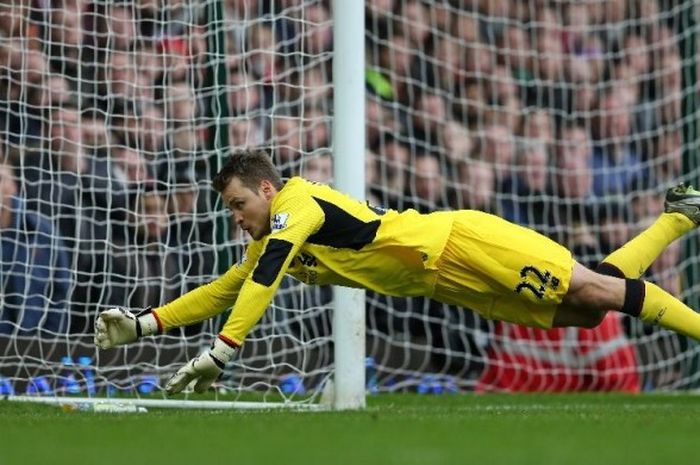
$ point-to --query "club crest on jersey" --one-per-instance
(279, 221)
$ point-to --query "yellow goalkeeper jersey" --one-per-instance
(320, 236)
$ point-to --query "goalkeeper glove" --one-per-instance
(118, 326)
(204, 368)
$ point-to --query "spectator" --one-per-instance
(413, 14)
(549, 67)
(670, 87)
(180, 105)
(262, 56)
(317, 131)
(479, 61)
(35, 279)
(577, 30)
(175, 54)
(152, 275)
(502, 87)
(628, 84)
(668, 159)
(96, 134)
(287, 139)
(151, 130)
(63, 38)
(574, 187)
(613, 220)
(429, 114)
(379, 120)
(13, 19)
(245, 132)
(150, 63)
(245, 96)
(114, 26)
(664, 270)
(497, 147)
(21, 84)
(318, 167)
(456, 141)
(395, 58)
(448, 53)
(617, 168)
(312, 88)
(372, 184)
(392, 174)
(130, 167)
(381, 9)
(55, 92)
(528, 203)
(55, 178)
(476, 187)
(118, 81)
(426, 186)
(573, 161)
(516, 53)
(537, 125)
(239, 14)
(316, 30)
(646, 204)
(465, 27)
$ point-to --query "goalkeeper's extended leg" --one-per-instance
(592, 294)
(585, 305)
(681, 215)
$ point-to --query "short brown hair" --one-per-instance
(251, 166)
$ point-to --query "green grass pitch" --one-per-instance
(399, 429)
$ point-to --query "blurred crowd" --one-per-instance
(565, 116)
(103, 131)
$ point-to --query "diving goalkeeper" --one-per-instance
(467, 258)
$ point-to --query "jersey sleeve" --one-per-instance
(210, 299)
(293, 220)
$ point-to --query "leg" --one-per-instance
(589, 298)
(682, 214)
(591, 294)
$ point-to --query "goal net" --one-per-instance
(570, 117)
(116, 116)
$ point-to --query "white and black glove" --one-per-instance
(118, 326)
(204, 368)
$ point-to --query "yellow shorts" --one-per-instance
(502, 271)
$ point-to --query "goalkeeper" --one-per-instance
(467, 258)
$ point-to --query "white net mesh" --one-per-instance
(114, 117)
(571, 117)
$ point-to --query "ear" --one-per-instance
(268, 189)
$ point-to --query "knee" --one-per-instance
(596, 293)
(593, 318)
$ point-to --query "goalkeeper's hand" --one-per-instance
(204, 368)
(118, 326)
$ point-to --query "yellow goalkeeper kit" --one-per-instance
(321, 236)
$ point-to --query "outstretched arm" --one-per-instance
(295, 219)
(119, 326)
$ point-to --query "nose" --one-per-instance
(238, 218)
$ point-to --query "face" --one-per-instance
(428, 178)
(154, 219)
(251, 209)
(8, 186)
